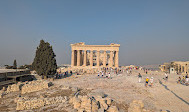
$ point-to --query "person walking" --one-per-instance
(139, 78)
(109, 75)
(147, 80)
(166, 76)
(151, 81)
(102, 74)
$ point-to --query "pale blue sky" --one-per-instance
(149, 31)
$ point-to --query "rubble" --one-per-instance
(92, 104)
(137, 106)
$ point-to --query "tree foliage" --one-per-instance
(14, 65)
(44, 62)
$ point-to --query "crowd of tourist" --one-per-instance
(184, 80)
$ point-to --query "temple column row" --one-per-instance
(76, 55)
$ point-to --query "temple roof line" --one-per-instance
(83, 44)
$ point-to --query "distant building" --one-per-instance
(175, 67)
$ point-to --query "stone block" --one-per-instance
(113, 109)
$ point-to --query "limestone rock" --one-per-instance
(109, 101)
(113, 109)
(76, 102)
(103, 103)
(94, 106)
(136, 106)
(101, 110)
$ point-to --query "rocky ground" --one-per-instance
(123, 89)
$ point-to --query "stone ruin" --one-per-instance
(137, 106)
(92, 104)
(35, 86)
(24, 103)
(25, 87)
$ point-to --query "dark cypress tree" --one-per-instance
(14, 65)
(44, 62)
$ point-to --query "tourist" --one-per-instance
(130, 72)
(166, 76)
(102, 74)
(179, 80)
(71, 72)
(109, 75)
(146, 71)
(147, 80)
(151, 81)
(187, 78)
(183, 79)
(139, 77)
(99, 74)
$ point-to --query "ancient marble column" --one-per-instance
(111, 59)
(104, 59)
(98, 58)
(181, 68)
(78, 57)
(178, 69)
(186, 68)
(91, 58)
(85, 58)
(117, 59)
(73, 58)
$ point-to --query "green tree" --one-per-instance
(44, 62)
(14, 65)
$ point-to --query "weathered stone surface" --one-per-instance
(2, 93)
(92, 104)
(101, 110)
(103, 103)
(66, 87)
(13, 88)
(77, 103)
(109, 101)
(75, 89)
(95, 106)
(35, 86)
(137, 106)
(24, 103)
(113, 109)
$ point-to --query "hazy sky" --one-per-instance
(149, 31)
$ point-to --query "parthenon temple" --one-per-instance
(94, 56)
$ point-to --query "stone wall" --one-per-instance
(35, 86)
(24, 103)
